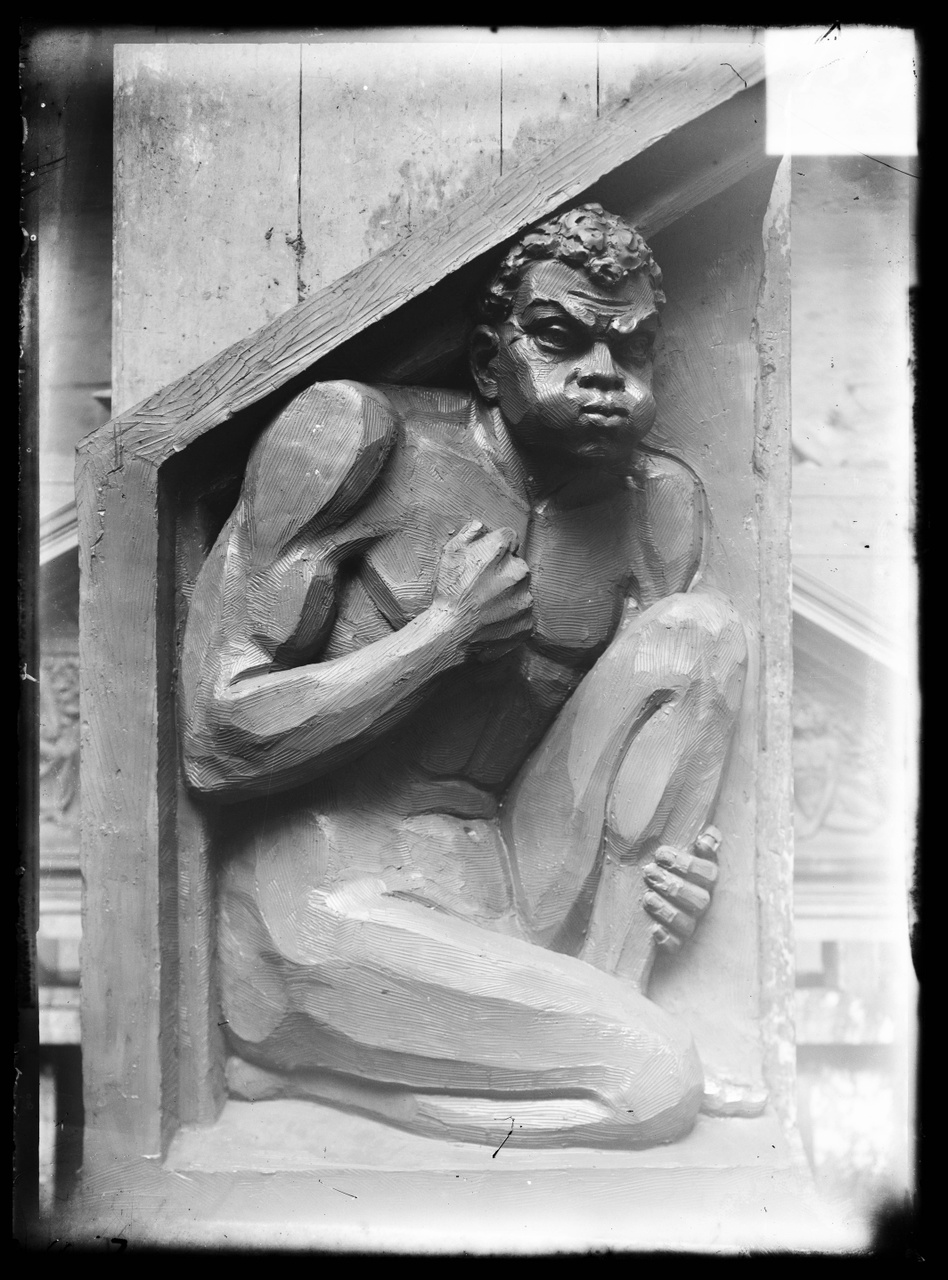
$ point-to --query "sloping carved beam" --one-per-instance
(288, 347)
(676, 183)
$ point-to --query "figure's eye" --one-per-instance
(555, 335)
(637, 349)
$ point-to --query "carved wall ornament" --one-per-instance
(59, 746)
(454, 682)
(840, 761)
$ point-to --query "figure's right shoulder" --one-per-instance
(671, 518)
(316, 460)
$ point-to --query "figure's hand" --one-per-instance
(680, 888)
(485, 587)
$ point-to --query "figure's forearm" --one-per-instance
(279, 730)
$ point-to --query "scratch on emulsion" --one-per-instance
(494, 1156)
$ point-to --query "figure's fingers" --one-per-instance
(664, 940)
(507, 541)
(519, 599)
(473, 529)
(708, 843)
(517, 624)
(515, 570)
(690, 896)
(700, 870)
(494, 545)
(679, 922)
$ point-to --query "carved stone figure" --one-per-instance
(452, 679)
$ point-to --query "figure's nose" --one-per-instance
(597, 370)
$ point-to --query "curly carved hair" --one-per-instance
(606, 247)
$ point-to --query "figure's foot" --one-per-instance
(530, 1122)
(251, 1083)
(680, 887)
(728, 1097)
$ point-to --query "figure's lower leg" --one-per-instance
(524, 1121)
(685, 746)
(664, 792)
(635, 761)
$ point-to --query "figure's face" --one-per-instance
(572, 371)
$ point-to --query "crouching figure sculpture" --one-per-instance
(450, 674)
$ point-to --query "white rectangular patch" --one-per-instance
(841, 90)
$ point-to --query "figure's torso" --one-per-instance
(483, 719)
(420, 807)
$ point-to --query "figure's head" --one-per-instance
(566, 348)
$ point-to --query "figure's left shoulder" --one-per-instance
(671, 523)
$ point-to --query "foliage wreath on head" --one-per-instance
(604, 245)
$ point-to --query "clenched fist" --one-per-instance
(485, 587)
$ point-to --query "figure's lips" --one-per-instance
(604, 411)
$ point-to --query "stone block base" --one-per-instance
(287, 1174)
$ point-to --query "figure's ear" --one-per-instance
(483, 349)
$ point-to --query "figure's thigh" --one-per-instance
(662, 696)
(392, 991)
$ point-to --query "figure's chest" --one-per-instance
(579, 573)
(428, 498)
(578, 556)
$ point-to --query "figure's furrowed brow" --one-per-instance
(549, 303)
(550, 308)
(611, 304)
(616, 311)
(598, 299)
(648, 320)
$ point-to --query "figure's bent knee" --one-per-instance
(689, 628)
(706, 612)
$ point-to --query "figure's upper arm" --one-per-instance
(313, 465)
(306, 478)
(671, 522)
